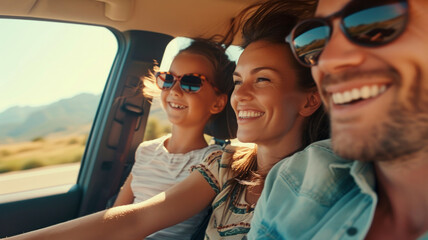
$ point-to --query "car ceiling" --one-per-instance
(190, 18)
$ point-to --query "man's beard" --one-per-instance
(400, 135)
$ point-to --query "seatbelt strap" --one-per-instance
(132, 115)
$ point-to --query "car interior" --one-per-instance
(142, 31)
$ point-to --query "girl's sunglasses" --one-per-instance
(365, 23)
(190, 83)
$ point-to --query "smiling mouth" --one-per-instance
(249, 114)
(358, 94)
(177, 106)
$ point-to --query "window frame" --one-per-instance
(26, 211)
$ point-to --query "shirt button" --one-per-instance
(352, 231)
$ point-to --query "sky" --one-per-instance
(35, 55)
(372, 14)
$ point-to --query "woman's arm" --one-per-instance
(135, 221)
(125, 196)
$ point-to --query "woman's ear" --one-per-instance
(219, 104)
(313, 102)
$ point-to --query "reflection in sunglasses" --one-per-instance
(190, 83)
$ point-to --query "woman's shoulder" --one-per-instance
(222, 158)
(213, 157)
(231, 151)
(207, 151)
(225, 155)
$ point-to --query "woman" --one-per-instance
(278, 109)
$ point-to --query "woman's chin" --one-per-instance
(246, 138)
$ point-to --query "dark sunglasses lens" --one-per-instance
(309, 39)
(376, 25)
(164, 80)
(191, 83)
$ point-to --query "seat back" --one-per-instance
(224, 125)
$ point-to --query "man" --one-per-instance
(369, 61)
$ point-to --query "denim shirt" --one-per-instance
(315, 194)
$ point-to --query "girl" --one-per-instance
(194, 89)
(278, 109)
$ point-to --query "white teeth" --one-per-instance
(249, 114)
(364, 92)
(175, 105)
(374, 90)
(338, 98)
(347, 96)
(355, 93)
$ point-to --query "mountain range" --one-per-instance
(70, 115)
(26, 123)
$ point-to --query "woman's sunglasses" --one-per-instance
(190, 83)
(365, 23)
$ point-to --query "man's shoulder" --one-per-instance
(325, 145)
(315, 172)
(302, 192)
(317, 153)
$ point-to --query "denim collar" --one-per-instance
(362, 173)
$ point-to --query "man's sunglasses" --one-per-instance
(190, 83)
(365, 23)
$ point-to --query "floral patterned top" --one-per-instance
(216, 171)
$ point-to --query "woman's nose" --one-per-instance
(242, 92)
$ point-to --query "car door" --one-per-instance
(115, 128)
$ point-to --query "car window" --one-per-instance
(51, 79)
